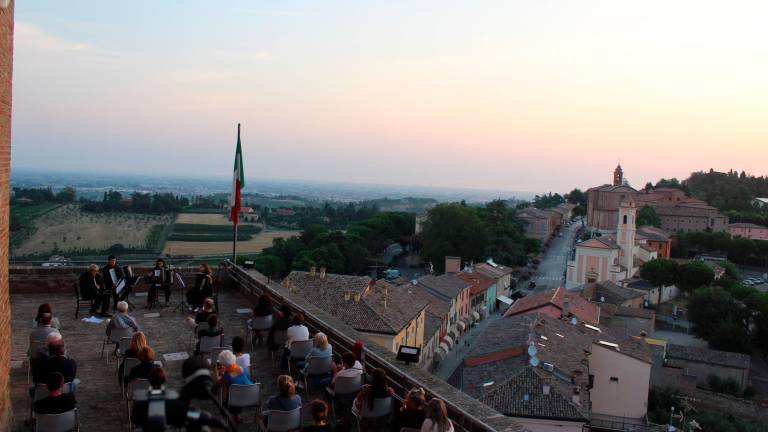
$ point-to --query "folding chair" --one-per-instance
(345, 389)
(215, 351)
(114, 338)
(80, 301)
(283, 421)
(316, 367)
(135, 385)
(41, 392)
(207, 343)
(122, 346)
(128, 364)
(299, 351)
(382, 408)
(258, 325)
(64, 422)
(280, 337)
(245, 396)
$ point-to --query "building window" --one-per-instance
(625, 219)
(614, 379)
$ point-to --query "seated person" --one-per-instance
(56, 362)
(350, 367)
(212, 329)
(203, 287)
(121, 319)
(92, 288)
(283, 320)
(41, 332)
(286, 398)
(295, 333)
(411, 415)
(229, 372)
(45, 308)
(207, 310)
(243, 359)
(377, 389)
(319, 418)
(437, 418)
(57, 402)
(138, 342)
(263, 308)
(320, 349)
(144, 368)
(157, 378)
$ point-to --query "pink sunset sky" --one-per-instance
(537, 96)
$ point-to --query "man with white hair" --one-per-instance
(92, 288)
(122, 319)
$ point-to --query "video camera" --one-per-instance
(154, 410)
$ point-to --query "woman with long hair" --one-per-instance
(377, 389)
(437, 418)
(203, 287)
(413, 412)
(286, 398)
(138, 343)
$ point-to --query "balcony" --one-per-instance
(100, 403)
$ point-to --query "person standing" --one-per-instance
(111, 274)
(92, 288)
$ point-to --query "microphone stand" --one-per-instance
(223, 411)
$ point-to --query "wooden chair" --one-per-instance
(80, 300)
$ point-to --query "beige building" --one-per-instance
(702, 362)
(391, 315)
(620, 382)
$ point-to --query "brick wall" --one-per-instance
(6, 70)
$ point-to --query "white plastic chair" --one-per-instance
(41, 392)
(283, 421)
(114, 338)
(299, 351)
(259, 324)
(207, 343)
(382, 407)
(128, 364)
(245, 396)
(345, 388)
(316, 366)
(215, 351)
(64, 422)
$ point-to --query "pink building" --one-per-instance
(748, 230)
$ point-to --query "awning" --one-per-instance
(453, 331)
(476, 315)
(461, 325)
(506, 300)
(447, 340)
(439, 354)
(444, 346)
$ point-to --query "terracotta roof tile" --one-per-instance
(580, 307)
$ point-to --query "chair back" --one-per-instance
(124, 345)
(261, 323)
(348, 385)
(137, 385)
(119, 333)
(77, 291)
(34, 348)
(128, 364)
(318, 366)
(215, 351)
(281, 421)
(64, 422)
(381, 407)
(207, 343)
(41, 390)
(300, 349)
(281, 337)
(244, 395)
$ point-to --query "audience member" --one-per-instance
(295, 333)
(144, 368)
(56, 362)
(229, 373)
(122, 320)
(212, 329)
(57, 401)
(138, 342)
(283, 320)
(413, 412)
(319, 418)
(40, 333)
(437, 418)
(92, 288)
(157, 378)
(377, 389)
(286, 398)
(320, 349)
(243, 359)
(350, 367)
(263, 309)
(209, 308)
(45, 308)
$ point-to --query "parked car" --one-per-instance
(532, 285)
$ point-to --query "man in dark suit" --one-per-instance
(56, 362)
(112, 274)
(57, 402)
(92, 288)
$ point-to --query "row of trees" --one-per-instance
(475, 233)
(44, 195)
(729, 315)
(350, 252)
(151, 203)
(739, 250)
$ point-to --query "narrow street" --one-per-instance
(551, 272)
(456, 356)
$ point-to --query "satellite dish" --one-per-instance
(534, 361)
(532, 350)
(574, 321)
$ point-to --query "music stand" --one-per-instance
(182, 306)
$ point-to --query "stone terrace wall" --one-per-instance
(6, 71)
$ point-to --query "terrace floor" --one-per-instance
(98, 395)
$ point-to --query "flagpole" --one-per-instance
(235, 219)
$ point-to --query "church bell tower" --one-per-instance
(618, 176)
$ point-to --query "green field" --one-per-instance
(208, 232)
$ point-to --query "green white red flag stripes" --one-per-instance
(238, 182)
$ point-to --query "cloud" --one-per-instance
(31, 36)
(259, 56)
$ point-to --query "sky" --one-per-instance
(512, 95)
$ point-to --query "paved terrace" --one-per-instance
(99, 399)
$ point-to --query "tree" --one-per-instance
(67, 195)
(453, 230)
(647, 217)
(729, 336)
(694, 275)
(659, 272)
(269, 265)
(577, 196)
(710, 306)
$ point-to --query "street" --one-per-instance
(456, 356)
(551, 272)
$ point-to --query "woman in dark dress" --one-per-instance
(203, 287)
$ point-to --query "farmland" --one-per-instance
(67, 229)
(202, 231)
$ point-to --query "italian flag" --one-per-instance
(238, 182)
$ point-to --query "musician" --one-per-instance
(203, 287)
(112, 275)
(92, 288)
(159, 279)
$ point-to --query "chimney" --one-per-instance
(545, 389)
(322, 272)
(566, 307)
(452, 264)
(312, 270)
